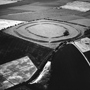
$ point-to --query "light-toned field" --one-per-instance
(7, 1)
(4, 23)
(77, 5)
(83, 44)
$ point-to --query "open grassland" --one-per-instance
(37, 9)
(2, 2)
(32, 12)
